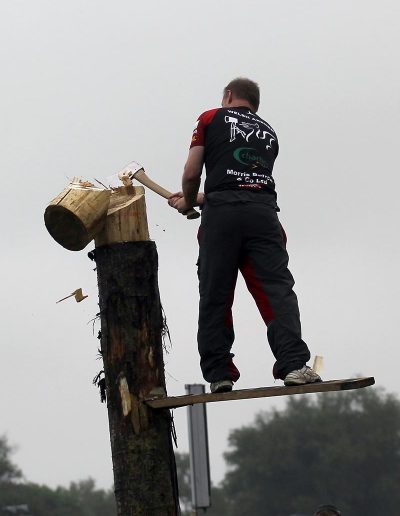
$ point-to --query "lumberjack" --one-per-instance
(240, 230)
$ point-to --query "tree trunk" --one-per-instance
(131, 346)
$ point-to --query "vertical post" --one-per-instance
(131, 347)
(198, 451)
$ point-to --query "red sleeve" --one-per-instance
(203, 121)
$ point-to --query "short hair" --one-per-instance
(245, 89)
(328, 510)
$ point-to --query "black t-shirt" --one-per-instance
(240, 149)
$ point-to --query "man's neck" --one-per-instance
(240, 103)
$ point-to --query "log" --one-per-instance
(126, 217)
(75, 216)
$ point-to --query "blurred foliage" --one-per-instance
(80, 499)
(8, 471)
(183, 470)
(340, 448)
(183, 473)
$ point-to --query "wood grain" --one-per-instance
(76, 215)
(126, 217)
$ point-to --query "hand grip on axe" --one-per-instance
(135, 171)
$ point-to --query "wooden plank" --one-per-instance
(261, 392)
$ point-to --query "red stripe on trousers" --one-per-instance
(256, 289)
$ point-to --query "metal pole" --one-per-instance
(198, 452)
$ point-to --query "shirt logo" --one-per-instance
(249, 156)
(248, 130)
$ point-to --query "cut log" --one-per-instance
(126, 217)
(75, 216)
(261, 392)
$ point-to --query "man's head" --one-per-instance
(241, 92)
(327, 510)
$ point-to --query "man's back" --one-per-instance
(240, 149)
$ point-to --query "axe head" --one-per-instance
(124, 176)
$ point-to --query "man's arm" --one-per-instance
(190, 182)
(192, 175)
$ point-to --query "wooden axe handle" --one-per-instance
(141, 176)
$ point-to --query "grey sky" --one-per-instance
(87, 87)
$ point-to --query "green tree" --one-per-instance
(9, 472)
(183, 474)
(93, 502)
(80, 499)
(341, 448)
(218, 504)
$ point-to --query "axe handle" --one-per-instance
(141, 176)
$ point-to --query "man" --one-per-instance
(240, 230)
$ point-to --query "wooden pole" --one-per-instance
(131, 347)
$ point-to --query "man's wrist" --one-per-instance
(200, 199)
(190, 201)
(190, 195)
(190, 189)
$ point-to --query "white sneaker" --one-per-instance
(302, 376)
(221, 386)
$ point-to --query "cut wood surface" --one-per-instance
(260, 392)
(76, 215)
(126, 217)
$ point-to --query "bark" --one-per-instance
(131, 346)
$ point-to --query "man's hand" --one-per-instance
(172, 201)
(180, 204)
(174, 198)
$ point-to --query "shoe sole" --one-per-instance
(225, 388)
(293, 382)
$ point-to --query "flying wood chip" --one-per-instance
(77, 294)
(85, 184)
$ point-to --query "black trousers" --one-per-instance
(245, 236)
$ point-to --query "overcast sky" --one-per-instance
(87, 86)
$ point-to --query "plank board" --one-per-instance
(260, 392)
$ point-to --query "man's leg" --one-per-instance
(218, 268)
(264, 266)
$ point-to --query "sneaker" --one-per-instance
(302, 376)
(221, 386)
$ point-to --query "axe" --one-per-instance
(135, 171)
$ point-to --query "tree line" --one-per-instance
(19, 497)
(337, 448)
(332, 448)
